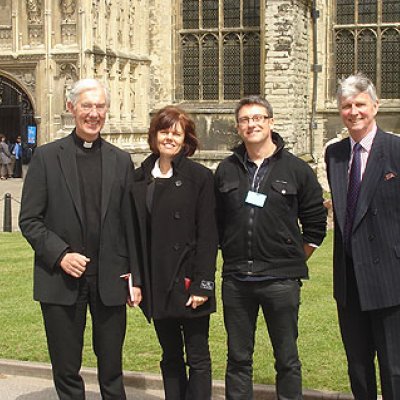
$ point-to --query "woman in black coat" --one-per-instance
(175, 205)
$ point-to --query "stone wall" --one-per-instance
(132, 45)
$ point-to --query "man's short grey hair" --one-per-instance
(87, 84)
(355, 84)
(250, 100)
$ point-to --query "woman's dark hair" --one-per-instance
(165, 119)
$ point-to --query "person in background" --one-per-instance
(364, 177)
(17, 152)
(5, 157)
(173, 197)
(271, 218)
(11, 147)
(76, 215)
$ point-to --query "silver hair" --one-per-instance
(250, 100)
(354, 85)
(87, 84)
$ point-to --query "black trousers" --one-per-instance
(279, 301)
(174, 335)
(65, 326)
(365, 335)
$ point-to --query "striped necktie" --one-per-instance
(353, 190)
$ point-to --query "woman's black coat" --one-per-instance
(178, 238)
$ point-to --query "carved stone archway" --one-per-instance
(16, 110)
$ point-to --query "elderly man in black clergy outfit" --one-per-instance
(76, 216)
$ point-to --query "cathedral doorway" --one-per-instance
(16, 113)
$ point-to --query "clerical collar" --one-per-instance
(86, 145)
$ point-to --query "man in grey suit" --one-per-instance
(363, 173)
(75, 213)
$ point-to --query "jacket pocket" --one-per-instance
(284, 197)
(230, 196)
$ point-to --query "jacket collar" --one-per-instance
(148, 163)
(240, 151)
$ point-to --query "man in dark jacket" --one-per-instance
(363, 173)
(75, 213)
(263, 192)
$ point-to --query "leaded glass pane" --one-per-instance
(232, 67)
(367, 11)
(367, 54)
(190, 14)
(231, 13)
(251, 13)
(210, 68)
(345, 12)
(390, 85)
(344, 53)
(391, 11)
(201, 62)
(210, 14)
(191, 74)
(251, 64)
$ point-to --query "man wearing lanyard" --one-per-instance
(263, 192)
(363, 173)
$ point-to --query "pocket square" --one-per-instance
(390, 175)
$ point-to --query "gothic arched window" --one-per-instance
(220, 49)
(367, 39)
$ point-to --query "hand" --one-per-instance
(74, 264)
(137, 297)
(308, 250)
(196, 301)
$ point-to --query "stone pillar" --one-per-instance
(286, 69)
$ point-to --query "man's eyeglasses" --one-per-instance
(100, 108)
(257, 119)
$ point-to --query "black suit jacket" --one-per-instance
(376, 227)
(52, 222)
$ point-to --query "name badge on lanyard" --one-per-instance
(255, 198)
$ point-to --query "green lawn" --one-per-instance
(324, 366)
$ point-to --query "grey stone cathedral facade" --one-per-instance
(201, 54)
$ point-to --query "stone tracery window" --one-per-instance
(367, 39)
(220, 49)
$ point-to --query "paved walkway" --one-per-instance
(21, 380)
(28, 388)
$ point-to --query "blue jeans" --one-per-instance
(174, 335)
(280, 302)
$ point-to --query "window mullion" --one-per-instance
(221, 51)
(378, 82)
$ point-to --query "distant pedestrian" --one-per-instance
(17, 151)
(5, 157)
(11, 148)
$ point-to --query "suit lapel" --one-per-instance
(372, 175)
(69, 169)
(339, 177)
(108, 173)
